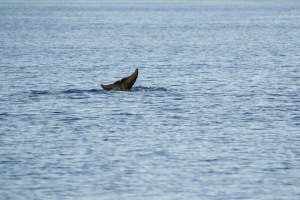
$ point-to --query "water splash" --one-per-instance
(148, 89)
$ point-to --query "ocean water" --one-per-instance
(214, 113)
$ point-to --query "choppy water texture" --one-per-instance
(214, 114)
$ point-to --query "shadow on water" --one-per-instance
(83, 91)
(70, 91)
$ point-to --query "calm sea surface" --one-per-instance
(214, 114)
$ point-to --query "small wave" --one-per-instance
(147, 89)
(126, 114)
(70, 119)
(39, 92)
(83, 91)
(77, 91)
(3, 116)
(70, 91)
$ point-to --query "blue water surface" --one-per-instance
(214, 113)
